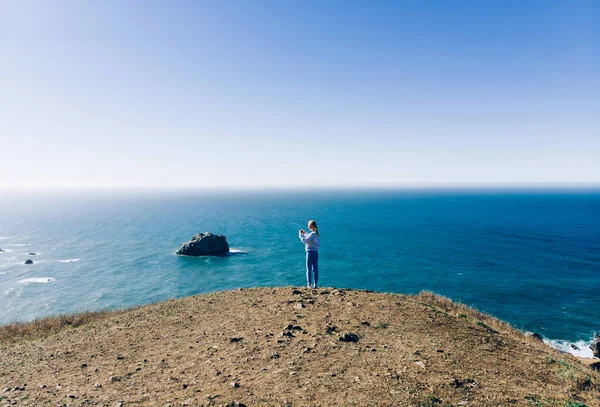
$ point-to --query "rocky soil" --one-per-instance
(293, 347)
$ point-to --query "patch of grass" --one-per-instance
(42, 328)
(567, 370)
(431, 401)
(460, 310)
(534, 401)
(575, 404)
(381, 326)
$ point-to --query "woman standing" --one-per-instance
(312, 243)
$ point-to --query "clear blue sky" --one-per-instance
(299, 93)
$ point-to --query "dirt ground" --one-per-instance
(293, 347)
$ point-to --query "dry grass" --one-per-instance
(45, 327)
(461, 310)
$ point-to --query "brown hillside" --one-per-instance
(282, 347)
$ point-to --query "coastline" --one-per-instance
(293, 346)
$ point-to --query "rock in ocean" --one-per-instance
(205, 244)
(596, 345)
(28, 261)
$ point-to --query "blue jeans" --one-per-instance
(312, 268)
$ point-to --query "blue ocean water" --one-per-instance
(531, 258)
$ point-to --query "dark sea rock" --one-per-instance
(205, 244)
(32, 254)
(1, 250)
(28, 261)
(596, 345)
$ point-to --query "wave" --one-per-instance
(580, 348)
(68, 261)
(41, 280)
(19, 245)
(7, 251)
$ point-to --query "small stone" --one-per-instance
(120, 357)
(420, 364)
(296, 292)
(72, 396)
(84, 365)
(235, 384)
(233, 340)
(98, 385)
(299, 305)
(349, 338)
(115, 379)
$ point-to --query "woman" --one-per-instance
(312, 243)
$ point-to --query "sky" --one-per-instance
(271, 94)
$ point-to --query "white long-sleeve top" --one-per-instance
(311, 241)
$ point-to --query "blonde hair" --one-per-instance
(314, 223)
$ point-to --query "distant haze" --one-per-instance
(266, 94)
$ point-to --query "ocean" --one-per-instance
(529, 257)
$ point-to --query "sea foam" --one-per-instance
(582, 349)
(40, 280)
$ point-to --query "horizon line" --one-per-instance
(271, 188)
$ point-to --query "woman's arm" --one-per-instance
(307, 238)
